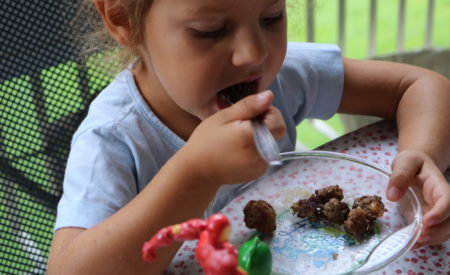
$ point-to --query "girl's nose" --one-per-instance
(250, 48)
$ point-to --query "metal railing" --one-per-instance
(372, 37)
(428, 56)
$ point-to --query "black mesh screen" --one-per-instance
(44, 94)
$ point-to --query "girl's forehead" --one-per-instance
(204, 6)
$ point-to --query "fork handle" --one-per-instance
(265, 143)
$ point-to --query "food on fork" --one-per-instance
(234, 93)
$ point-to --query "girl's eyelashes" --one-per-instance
(209, 34)
(267, 21)
(217, 33)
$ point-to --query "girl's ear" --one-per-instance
(116, 21)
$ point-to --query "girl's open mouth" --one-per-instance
(236, 92)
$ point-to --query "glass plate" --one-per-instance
(302, 247)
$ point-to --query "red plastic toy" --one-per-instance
(215, 254)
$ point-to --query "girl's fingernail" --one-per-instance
(393, 193)
(262, 95)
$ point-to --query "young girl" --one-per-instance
(161, 139)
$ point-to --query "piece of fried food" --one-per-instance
(307, 208)
(372, 206)
(326, 202)
(335, 211)
(325, 194)
(260, 214)
(358, 225)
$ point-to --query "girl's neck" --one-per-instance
(176, 119)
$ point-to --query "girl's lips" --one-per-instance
(253, 78)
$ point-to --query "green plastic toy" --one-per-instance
(255, 257)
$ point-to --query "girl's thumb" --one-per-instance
(251, 106)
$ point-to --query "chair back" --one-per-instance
(44, 93)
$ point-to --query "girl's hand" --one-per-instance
(222, 149)
(416, 169)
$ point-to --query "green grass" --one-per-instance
(310, 137)
(357, 33)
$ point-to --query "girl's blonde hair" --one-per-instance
(97, 38)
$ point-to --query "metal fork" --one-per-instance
(265, 143)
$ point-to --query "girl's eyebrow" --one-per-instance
(216, 9)
(203, 9)
(277, 1)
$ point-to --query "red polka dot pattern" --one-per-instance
(376, 143)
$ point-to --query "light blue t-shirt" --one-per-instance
(122, 144)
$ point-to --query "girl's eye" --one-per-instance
(209, 34)
(272, 20)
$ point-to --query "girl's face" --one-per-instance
(193, 50)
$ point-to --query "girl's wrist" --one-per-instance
(192, 173)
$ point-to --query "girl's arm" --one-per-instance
(114, 246)
(181, 190)
(419, 100)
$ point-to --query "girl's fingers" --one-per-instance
(275, 122)
(437, 197)
(249, 107)
(404, 170)
(435, 235)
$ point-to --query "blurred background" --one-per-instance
(408, 31)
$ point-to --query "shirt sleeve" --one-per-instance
(99, 180)
(311, 80)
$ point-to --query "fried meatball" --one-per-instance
(260, 215)
(335, 211)
(307, 208)
(329, 192)
(371, 205)
(358, 225)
